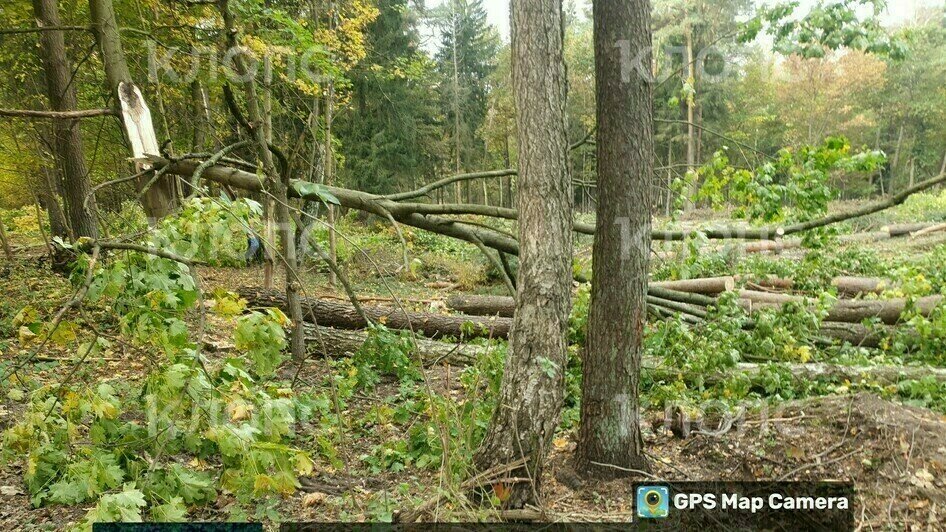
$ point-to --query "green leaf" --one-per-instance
(173, 511)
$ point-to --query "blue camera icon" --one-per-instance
(653, 502)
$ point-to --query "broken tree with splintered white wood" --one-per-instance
(138, 125)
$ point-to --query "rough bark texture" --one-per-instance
(533, 386)
(889, 310)
(483, 305)
(161, 198)
(609, 434)
(344, 316)
(70, 158)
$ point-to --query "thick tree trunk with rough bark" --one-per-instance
(609, 432)
(530, 398)
(70, 158)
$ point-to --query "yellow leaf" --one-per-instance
(304, 464)
(26, 335)
(239, 411)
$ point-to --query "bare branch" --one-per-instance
(57, 115)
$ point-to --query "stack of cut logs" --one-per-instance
(336, 329)
(688, 301)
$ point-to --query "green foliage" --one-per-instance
(791, 187)
(211, 230)
(262, 336)
(828, 26)
(123, 507)
(386, 352)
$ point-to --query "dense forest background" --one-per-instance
(405, 110)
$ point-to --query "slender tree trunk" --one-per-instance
(507, 180)
(329, 155)
(532, 391)
(6, 243)
(161, 198)
(691, 121)
(610, 432)
(456, 98)
(895, 162)
(70, 157)
(276, 182)
(47, 192)
(668, 202)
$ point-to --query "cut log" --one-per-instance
(682, 297)
(776, 246)
(335, 343)
(875, 236)
(775, 283)
(344, 316)
(853, 286)
(856, 334)
(929, 230)
(889, 310)
(707, 286)
(505, 305)
(483, 305)
(756, 296)
(905, 229)
(815, 371)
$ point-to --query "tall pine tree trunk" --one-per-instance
(70, 158)
(531, 395)
(609, 433)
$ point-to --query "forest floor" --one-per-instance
(894, 453)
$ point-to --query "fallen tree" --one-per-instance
(336, 343)
(818, 371)
(345, 316)
(331, 342)
(430, 216)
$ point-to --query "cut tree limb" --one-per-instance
(344, 316)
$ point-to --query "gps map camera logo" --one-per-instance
(653, 502)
